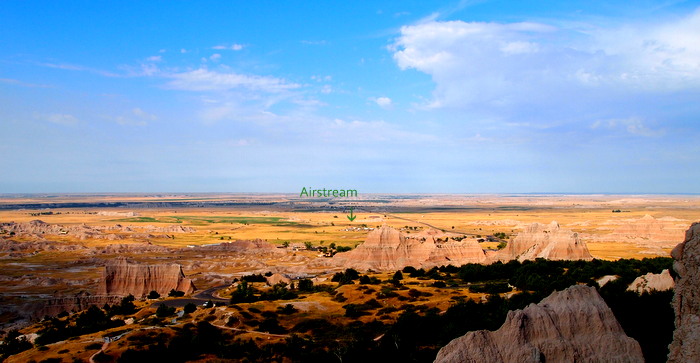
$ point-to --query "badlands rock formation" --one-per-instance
(545, 241)
(686, 301)
(652, 282)
(38, 228)
(275, 279)
(123, 278)
(574, 325)
(77, 302)
(242, 246)
(650, 231)
(388, 249)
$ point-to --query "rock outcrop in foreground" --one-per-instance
(388, 249)
(686, 300)
(545, 241)
(652, 282)
(123, 278)
(573, 325)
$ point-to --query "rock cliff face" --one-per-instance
(573, 325)
(388, 249)
(686, 300)
(77, 302)
(123, 278)
(545, 241)
(652, 282)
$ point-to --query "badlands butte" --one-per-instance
(274, 277)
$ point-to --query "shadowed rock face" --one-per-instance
(389, 249)
(573, 325)
(686, 300)
(123, 278)
(545, 241)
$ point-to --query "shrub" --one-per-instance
(190, 308)
(164, 311)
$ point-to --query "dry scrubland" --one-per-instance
(613, 227)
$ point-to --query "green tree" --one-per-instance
(190, 308)
(164, 311)
(243, 293)
(153, 295)
(305, 285)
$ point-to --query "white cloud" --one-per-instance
(144, 115)
(206, 80)
(183, 50)
(215, 57)
(58, 118)
(633, 125)
(155, 58)
(326, 89)
(235, 47)
(384, 102)
(501, 64)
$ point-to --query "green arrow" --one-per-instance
(351, 217)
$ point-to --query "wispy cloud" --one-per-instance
(58, 118)
(23, 84)
(207, 80)
(138, 112)
(315, 42)
(633, 125)
(74, 67)
(235, 47)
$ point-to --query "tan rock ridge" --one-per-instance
(573, 325)
(122, 278)
(242, 246)
(388, 249)
(548, 241)
(685, 346)
(650, 231)
(277, 278)
(652, 282)
(40, 228)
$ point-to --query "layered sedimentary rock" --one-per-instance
(573, 325)
(662, 232)
(242, 246)
(652, 282)
(686, 300)
(77, 302)
(40, 228)
(123, 278)
(548, 241)
(388, 249)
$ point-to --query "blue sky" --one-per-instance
(398, 97)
